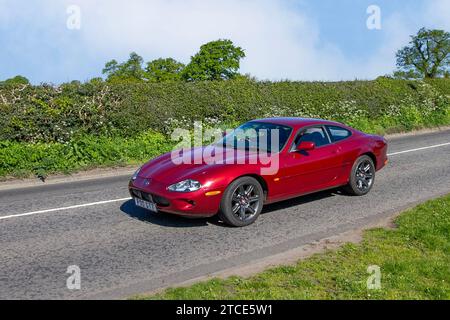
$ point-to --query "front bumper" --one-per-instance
(192, 204)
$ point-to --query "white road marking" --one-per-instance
(125, 199)
(63, 208)
(419, 149)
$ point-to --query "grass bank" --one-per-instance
(19, 159)
(413, 258)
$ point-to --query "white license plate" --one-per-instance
(145, 204)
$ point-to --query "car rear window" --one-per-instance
(338, 133)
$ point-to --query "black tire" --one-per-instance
(247, 201)
(362, 177)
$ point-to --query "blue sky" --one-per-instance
(290, 39)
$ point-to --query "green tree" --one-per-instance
(130, 70)
(405, 75)
(17, 80)
(216, 60)
(96, 80)
(164, 70)
(426, 56)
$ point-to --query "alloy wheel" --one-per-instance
(364, 174)
(245, 201)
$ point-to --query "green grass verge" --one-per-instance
(84, 152)
(20, 159)
(414, 260)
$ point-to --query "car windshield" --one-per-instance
(260, 136)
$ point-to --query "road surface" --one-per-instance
(122, 250)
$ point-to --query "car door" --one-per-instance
(308, 171)
(341, 137)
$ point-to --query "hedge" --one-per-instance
(57, 114)
(47, 129)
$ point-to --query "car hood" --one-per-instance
(170, 169)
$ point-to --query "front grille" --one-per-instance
(136, 193)
(160, 201)
(147, 197)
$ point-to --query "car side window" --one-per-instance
(314, 134)
(338, 133)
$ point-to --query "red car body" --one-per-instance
(325, 167)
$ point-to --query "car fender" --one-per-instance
(220, 178)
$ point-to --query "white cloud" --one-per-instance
(438, 12)
(280, 43)
(396, 32)
(398, 28)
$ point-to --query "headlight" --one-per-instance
(185, 186)
(135, 175)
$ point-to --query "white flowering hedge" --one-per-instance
(73, 126)
(58, 114)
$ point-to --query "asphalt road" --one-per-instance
(122, 250)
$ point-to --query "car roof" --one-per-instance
(297, 122)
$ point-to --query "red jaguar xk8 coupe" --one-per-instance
(263, 161)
